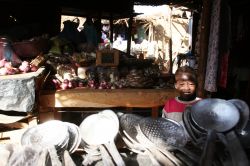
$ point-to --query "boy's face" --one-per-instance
(185, 86)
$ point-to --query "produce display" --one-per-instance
(98, 77)
(76, 67)
(79, 70)
(6, 67)
(21, 56)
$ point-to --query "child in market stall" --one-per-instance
(185, 84)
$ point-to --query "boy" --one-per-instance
(185, 83)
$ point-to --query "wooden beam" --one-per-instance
(130, 22)
(170, 42)
(141, 98)
(111, 20)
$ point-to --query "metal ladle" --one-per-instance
(101, 129)
(219, 117)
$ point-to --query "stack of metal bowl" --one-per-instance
(62, 135)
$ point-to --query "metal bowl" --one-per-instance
(51, 133)
(215, 114)
(244, 113)
(97, 129)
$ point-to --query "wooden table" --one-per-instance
(50, 101)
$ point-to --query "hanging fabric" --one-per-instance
(223, 70)
(213, 49)
(225, 44)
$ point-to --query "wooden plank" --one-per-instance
(142, 98)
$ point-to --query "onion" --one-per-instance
(66, 81)
(33, 68)
(70, 85)
(3, 71)
(25, 67)
(2, 62)
(8, 65)
(10, 71)
(64, 86)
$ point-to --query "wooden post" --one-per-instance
(98, 24)
(111, 28)
(204, 37)
(57, 114)
(170, 43)
(130, 22)
(154, 113)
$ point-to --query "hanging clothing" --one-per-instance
(197, 40)
(225, 44)
(213, 49)
(223, 70)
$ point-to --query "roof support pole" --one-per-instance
(170, 42)
(130, 22)
(111, 28)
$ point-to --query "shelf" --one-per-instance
(105, 98)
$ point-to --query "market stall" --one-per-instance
(108, 83)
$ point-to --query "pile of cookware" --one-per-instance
(155, 138)
(62, 135)
(217, 128)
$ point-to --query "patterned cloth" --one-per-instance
(213, 49)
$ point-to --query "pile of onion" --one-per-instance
(6, 68)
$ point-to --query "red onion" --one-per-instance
(2, 62)
(3, 71)
(33, 68)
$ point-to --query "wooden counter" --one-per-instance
(106, 98)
